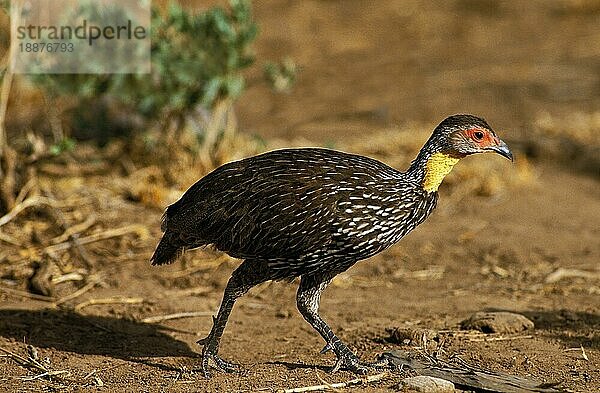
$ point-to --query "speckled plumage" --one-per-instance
(311, 213)
(301, 210)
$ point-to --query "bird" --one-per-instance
(311, 213)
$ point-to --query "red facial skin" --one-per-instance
(487, 140)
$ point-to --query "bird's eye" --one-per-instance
(478, 135)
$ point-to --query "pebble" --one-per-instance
(412, 336)
(426, 384)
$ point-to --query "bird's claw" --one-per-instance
(210, 353)
(326, 349)
(350, 363)
(220, 364)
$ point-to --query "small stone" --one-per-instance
(426, 384)
(497, 322)
(412, 336)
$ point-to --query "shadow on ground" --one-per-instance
(69, 331)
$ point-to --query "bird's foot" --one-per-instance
(350, 363)
(220, 364)
(210, 353)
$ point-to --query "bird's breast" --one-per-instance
(372, 221)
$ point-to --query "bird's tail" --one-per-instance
(167, 251)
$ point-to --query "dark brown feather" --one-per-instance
(299, 209)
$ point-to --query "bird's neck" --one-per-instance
(431, 167)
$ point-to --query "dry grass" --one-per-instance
(572, 139)
(579, 127)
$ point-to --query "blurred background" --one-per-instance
(88, 163)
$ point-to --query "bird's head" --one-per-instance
(462, 135)
(454, 138)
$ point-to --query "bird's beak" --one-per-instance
(501, 148)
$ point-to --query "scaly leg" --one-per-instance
(307, 299)
(247, 275)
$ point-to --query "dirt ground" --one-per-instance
(363, 68)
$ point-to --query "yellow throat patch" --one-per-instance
(437, 167)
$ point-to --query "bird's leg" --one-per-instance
(243, 278)
(307, 299)
(211, 342)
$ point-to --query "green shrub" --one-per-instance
(197, 62)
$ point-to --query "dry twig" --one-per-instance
(4, 95)
(26, 189)
(7, 155)
(562, 273)
(97, 237)
(583, 354)
(9, 239)
(94, 280)
(32, 362)
(188, 292)
(66, 373)
(29, 202)
(161, 318)
(465, 376)
(74, 230)
(29, 361)
(72, 234)
(27, 294)
(73, 276)
(109, 300)
(333, 386)
(502, 338)
(433, 272)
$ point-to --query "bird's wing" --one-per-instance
(283, 205)
(275, 205)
